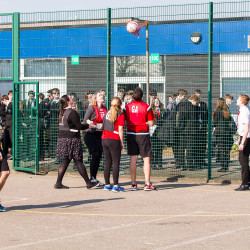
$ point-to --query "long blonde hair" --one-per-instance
(93, 100)
(115, 108)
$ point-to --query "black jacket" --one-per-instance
(9, 112)
(224, 129)
(3, 113)
(169, 131)
(188, 120)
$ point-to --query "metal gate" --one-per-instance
(26, 130)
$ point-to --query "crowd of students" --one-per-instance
(182, 126)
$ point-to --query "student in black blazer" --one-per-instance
(188, 127)
(203, 120)
(223, 131)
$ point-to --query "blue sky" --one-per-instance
(8, 6)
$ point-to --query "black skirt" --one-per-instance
(70, 148)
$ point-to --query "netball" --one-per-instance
(133, 27)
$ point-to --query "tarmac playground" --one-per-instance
(180, 215)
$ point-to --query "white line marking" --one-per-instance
(106, 229)
(15, 199)
(212, 236)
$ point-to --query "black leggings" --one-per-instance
(112, 153)
(94, 143)
(80, 167)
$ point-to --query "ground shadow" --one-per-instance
(178, 185)
(60, 204)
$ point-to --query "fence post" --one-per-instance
(15, 76)
(210, 79)
(108, 54)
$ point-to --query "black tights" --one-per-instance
(80, 167)
(94, 164)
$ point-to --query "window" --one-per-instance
(135, 66)
(39, 68)
(5, 69)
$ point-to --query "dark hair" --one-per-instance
(229, 96)
(41, 96)
(64, 104)
(121, 90)
(10, 92)
(182, 92)
(153, 92)
(4, 97)
(49, 91)
(56, 90)
(173, 96)
(72, 93)
(31, 92)
(198, 91)
(138, 94)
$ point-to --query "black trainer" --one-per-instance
(60, 186)
(242, 188)
(92, 184)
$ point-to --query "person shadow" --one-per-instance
(66, 204)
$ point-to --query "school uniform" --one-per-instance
(242, 119)
(188, 128)
(53, 127)
(29, 129)
(224, 138)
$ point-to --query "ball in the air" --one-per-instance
(132, 26)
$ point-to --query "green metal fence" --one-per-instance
(200, 49)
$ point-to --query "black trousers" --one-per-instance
(157, 151)
(202, 142)
(7, 139)
(112, 153)
(244, 161)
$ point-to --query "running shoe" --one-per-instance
(100, 184)
(149, 187)
(108, 187)
(118, 189)
(134, 187)
(92, 184)
(2, 208)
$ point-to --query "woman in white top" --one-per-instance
(243, 122)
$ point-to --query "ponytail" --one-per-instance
(115, 108)
(64, 104)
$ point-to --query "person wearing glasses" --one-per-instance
(93, 137)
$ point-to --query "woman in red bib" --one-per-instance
(112, 142)
(93, 137)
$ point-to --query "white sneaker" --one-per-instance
(100, 184)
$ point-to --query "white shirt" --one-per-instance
(243, 118)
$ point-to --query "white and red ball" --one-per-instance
(133, 27)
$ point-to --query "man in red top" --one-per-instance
(139, 115)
